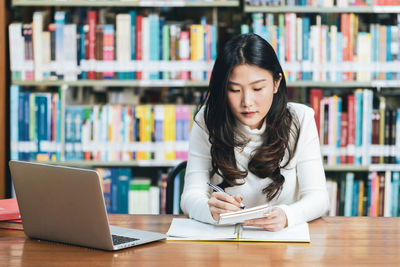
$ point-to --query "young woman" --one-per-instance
(250, 141)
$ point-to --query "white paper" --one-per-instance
(297, 233)
(192, 229)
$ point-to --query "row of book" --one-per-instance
(335, 51)
(124, 193)
(358, 128)
(131, 46)
(98, 132)
(323, 3)
(374, 194)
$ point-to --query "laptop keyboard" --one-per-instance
(117, 239)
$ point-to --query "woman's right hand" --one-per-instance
(221, 202)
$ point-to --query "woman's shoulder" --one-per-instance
(199, 118)
(301, 111)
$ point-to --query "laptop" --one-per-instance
(65, 204)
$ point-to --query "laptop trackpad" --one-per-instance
(129, 232)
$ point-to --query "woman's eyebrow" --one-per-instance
(234, 83)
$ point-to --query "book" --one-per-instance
(9, 209)
(12, 224)
(139, 196)
(243, 215)
(182, 229)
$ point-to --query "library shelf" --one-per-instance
(362, 168)
(310, 9)
(126, 3)
(172, 163)
(116, 83)
(94, 164)
(182, 83)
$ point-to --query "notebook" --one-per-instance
(243, 215)
(191, 230)
(9, 209)
(65, 204)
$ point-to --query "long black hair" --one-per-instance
(249, 49)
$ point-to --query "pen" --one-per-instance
(219, 189)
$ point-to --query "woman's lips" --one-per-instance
(249, 114)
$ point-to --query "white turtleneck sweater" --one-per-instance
(303, 197)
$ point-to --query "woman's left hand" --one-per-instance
(275, 220)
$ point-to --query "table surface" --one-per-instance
(335, 241)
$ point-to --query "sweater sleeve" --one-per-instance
(313, 200)
(195, 196)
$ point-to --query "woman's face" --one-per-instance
(250, 93)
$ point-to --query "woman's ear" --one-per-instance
(277, 83)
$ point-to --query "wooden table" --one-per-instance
(335, 241)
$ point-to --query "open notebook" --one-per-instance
(192, 230)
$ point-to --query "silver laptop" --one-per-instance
(66, 205)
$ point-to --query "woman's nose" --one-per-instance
(247, 98)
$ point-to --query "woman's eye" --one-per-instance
(257, 89)
(234, 90)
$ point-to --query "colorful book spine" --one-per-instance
(395, 194)
(108, 48)
(387, 194)
(315, 100)
(184, 52)
(154, 26)
(123, 42)
(349, 194)
(14, 123)
(139, 196)
(92, 21)
(28, 53)
(358, 125)
(166, 48)
(139, 20)
(17, 51)
(124, 177)
(132, 14)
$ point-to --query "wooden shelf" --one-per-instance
(172, 163)
(118, 164)
(116, 83)
(345, 167)
(329, 84)
(310, 9)
(181, 83)
(360, 168)
(126, 3)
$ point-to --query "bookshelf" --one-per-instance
(363, 179)
(328, 86)
(113, 170)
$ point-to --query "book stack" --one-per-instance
(10, 217)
